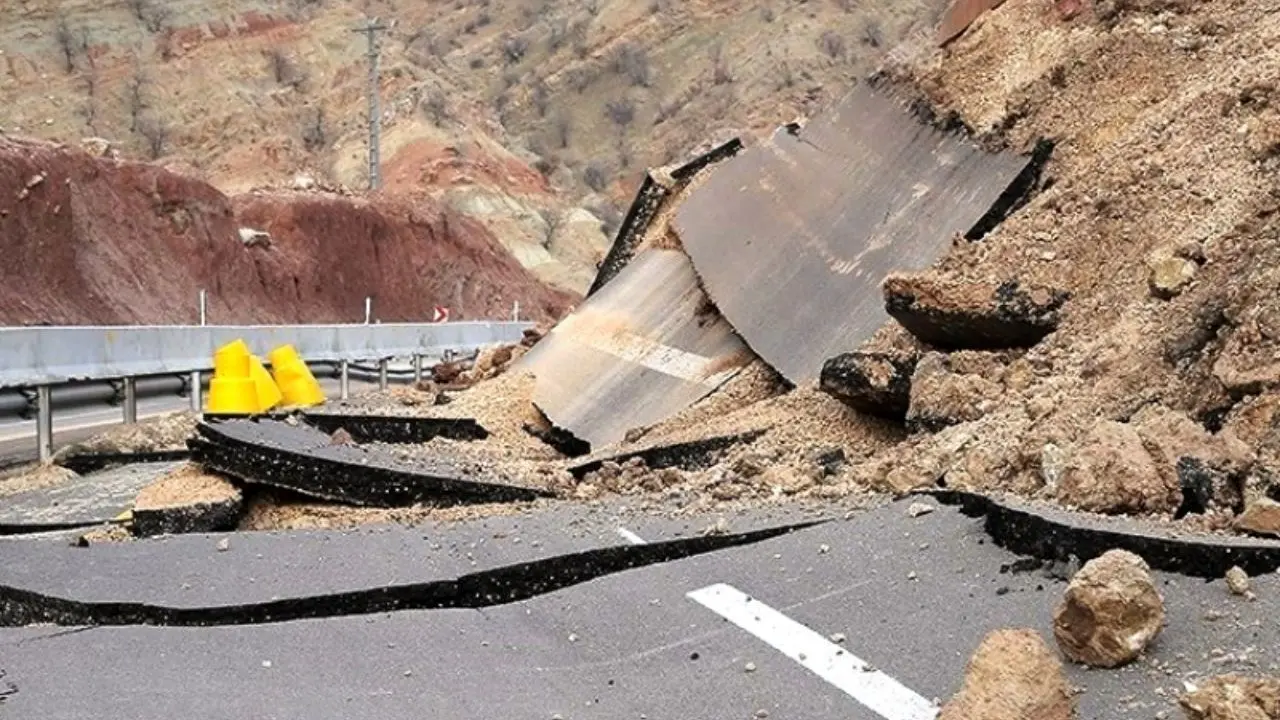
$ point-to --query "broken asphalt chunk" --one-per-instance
(956, 314)
(875, 383)
(302, 459)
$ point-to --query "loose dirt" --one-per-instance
(186, 486)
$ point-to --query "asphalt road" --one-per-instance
(748, 632)
(18, 436)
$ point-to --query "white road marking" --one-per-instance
(630, 537)
(872, 688)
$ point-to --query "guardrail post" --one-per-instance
(197, 384)
(44, 422)
(344, 379)
(382, 373)
(417, 369)
(130, 401)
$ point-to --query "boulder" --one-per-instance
(1110, 471)
(1232, 697)
(1013, 674)
(876, 383)
(1261, 517)
(956, 314)
(1110, 612)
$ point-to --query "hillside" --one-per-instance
(90, 240)
(534, 117)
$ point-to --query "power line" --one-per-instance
(371, 28)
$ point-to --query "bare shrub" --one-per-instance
(595, 176)
(558, 34)
(283, 70)
(436, 107)
(541, 96)
(831, 43)
(632, 62)
(621, 112)
(872, 34)
(514, 48)
(767, 14)
(314, 133)
(156, 18)
(155, 134)
(135, 95)
(720, 73)
(68, 43)
(564, 129)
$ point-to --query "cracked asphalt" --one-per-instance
(911, 596)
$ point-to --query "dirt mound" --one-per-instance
(95, 241)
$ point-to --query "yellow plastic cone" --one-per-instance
(297, 384)
(231, 391)
(268, 395)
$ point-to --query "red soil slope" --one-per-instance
(85, 240)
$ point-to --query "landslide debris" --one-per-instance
(1233, 697)
(1012, 674)
(166, 432)
(187, 500)
(1110, 611)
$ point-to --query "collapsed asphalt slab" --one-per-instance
(307, 461)
(1052, 533)
(912, 596)
(396, 429)
(88, 500)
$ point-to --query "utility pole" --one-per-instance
(371, 28)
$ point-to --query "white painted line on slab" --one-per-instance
(630, 537)
(879, 692)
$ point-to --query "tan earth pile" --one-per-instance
(1012, 674)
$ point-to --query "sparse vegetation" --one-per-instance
(514, 48)
(314, 133)
(621, 112)
(283, 70)
(632, 62)
(135, 95)
(720, 73)
(436, 107)
(833, 44)
(155, 134)
(595, 176)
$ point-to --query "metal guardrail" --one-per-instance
(35, 356)
(40, 357)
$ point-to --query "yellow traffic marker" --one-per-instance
(268, 395)
(297, 384)
(232, 391)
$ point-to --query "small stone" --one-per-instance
(341, 437)
(916, 509)
(1110, 612)
(749, 667)
(266, 663)
(573, 637)
(824, 549)
(912, 575)
(224, 544)
(838, 638)
(408, 673)
(1238, 581)
(1169, 274)
(762, 713)
(1013, 674)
